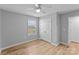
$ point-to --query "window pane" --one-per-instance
(32, 27)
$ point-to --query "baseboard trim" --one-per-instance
(51, 42)
(63, 43)
(27, 42)
(74, 42)
(55, 44)
(16, 44)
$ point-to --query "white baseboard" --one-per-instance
(63, 43)
(26, 42)
(16, 44)
(74, 41)
(55, 44)
(51, 43)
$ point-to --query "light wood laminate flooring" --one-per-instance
(41, 47)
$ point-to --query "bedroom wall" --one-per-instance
(65, 25)
(64, 29)
(45, 28)
(55, 29)
(14, 28)
(49, 28)
(0, 30)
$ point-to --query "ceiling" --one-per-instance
(28, 9)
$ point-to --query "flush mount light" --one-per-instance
(36, 5)
(38, 10)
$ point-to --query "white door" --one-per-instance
(73, 29)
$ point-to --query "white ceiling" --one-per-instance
(28, 9)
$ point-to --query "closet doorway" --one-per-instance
(73, 31)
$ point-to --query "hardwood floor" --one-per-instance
(41, 47)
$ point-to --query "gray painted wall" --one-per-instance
(65, 24)
(0, 30)
(64, 29)
(55, 29)
(49, 28)
(45, 28)
(14, 28)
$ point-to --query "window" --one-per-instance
(32, 27)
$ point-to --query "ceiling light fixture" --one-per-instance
(36, 5)
(38, 10)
